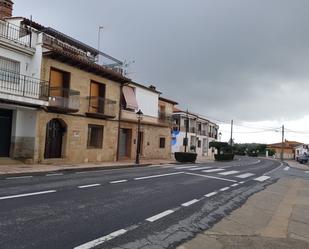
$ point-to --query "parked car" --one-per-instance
(302, 158)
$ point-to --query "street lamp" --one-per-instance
(139, 115)
(220, 135)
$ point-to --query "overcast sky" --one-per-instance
(246, 60)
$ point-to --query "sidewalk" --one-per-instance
(276, 218)
(11, 168)
(297, 165)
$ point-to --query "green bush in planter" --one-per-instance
(224, 157)
(185, 157)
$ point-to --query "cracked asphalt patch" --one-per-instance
(184, 224)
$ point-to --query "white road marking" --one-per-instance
(28, 194)
(211, 177)
(229, 172)
(56, 174)
(160, 215)
(307, 171)
(223, 189)
(120, 181)
(189, 203)
(286, 168)
(246, 175)
(213, 170)
(18, 177)
(156, 176)
(101, 240)
(89, 186)
(211, 194)
(234, 185)
(200, 168)
(185, 167)
(262, 178)
(241, 182)
(90, 171)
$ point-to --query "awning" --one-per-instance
(129, 97)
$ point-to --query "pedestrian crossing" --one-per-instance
(224, 172)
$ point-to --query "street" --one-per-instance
(150, 207)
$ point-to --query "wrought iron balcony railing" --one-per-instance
(164, 117)
(22, 85)
(64, 99)
(101, 107)
(15, 33)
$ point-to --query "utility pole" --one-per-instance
(282, 142)
(231, 141)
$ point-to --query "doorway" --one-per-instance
(5, 129)
(55, 130)
(125, 143)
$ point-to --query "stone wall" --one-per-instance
(74, 145)
(151, 140)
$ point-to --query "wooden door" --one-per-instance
(56, 83)
(5, 131)
(97, 101)
(53, 142)
(125, 142)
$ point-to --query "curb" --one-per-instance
(73, 170)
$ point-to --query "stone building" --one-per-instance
(63, 101)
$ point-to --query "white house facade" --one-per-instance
(21, 90)
(200, 133)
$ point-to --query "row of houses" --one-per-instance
(64, 101)
(290, 149)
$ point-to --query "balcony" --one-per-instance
(23, 86)
(15, 34)
(192, 129)
(64, 100)
(165, 118)
(99, 107)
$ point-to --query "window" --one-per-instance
(97, 97)
(162, 142)
(9, 70)
(59, 83)
(95, 136)
(199, 143)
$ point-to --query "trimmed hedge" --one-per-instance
(185, 157)
(224, 157)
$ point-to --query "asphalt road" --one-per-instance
(153, 207)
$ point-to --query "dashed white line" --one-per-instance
(89, 186)
(185, 167)
(234, 185)
(246, 175)
(18, 177)
(211, 177)
(56, 174)
(241, 182)
(160, 215)
(213, 170)
(189, 203)
(286, 168)
(211, 194)
(27, 194)
(224, 189)
(200, 168)
(156, 176)
(119, 181)
(262, 178)
(229, 172)
(101, 240)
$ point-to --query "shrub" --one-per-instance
(185, 157)
(224, 157)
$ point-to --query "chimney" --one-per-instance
(6, 8)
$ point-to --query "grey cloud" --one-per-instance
(239, 59)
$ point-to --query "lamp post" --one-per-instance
(138, 143)
(220, 135)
